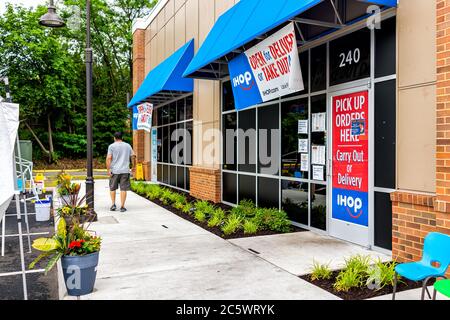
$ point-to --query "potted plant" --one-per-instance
(78, 250)
(74, 210)
(66, 188)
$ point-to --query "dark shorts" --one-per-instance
(122, 180)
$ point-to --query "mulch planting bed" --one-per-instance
(364, 292)
(216, 230)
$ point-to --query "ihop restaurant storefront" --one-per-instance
(323, 108)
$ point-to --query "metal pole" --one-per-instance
(90, 173)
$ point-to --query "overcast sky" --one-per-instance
(26, 3)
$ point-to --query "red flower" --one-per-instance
(75, 244)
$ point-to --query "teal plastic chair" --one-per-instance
(436, 251)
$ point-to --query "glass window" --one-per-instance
(319, 68)
(247, 141)
(165, 177)
(319, 206)
(350, 57)
(159, 114)
(180, 110)
(180, 177)
(187, 178)
(229, 187)
(291, 113)
(181, 144)
(173, 112)
(160, 172)
(268, 196)
(229, 145)
(165, 144)
(159, 144)
(189, 143)
(295, 200)
(383, 220)
(173, 143)
(164, 115)
(385, 49)
(247, 188)
(318, 136)
(173, 176)
(269, 140)
(227, 96)
(189, 108)
(385, 134)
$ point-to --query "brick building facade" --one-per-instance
(420, 196)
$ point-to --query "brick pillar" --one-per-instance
(138, 78)
(206, 184)
(442, 204)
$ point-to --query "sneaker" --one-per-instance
(123, 209)
(113, 208)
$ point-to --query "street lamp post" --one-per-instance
(52, 20)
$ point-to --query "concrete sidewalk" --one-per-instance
(150, 253)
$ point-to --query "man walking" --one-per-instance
(118, 164)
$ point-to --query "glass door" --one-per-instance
(350, 166)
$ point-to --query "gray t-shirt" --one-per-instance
(121, 153)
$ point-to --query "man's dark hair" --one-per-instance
(118, 135)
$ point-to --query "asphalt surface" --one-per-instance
(40, 286)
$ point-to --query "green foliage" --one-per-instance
(166, 196)
(273, 220)
(321, 271)
(216, 218)
(232, 224)
(69, 240)
(348, 279)
(187, 208)
(200, 216)
(250, 227)
(245, 209)
(152, 191)
(204, 206)
(358, 263)
(47, 73)
(382, 274)
(178, 200)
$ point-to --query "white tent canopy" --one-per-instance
(9, 124)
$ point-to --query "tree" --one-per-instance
(47, 73)
(43, 73)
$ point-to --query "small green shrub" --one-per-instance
(320, 271)
(139, 188)
(250, 227)
(348, 279)
(178, 200)
(358, 263)
(187, 208)
(204, 206)
(273, 220)
(232, 224)
(381, 274)
(216, 218)
(166, 197)
(153, 191)
(245, 209)
(200, 216)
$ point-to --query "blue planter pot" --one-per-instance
(80, 273)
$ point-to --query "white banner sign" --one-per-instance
(145, 114)
(269, 70)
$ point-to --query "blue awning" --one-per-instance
(246, 21)
(165, 82)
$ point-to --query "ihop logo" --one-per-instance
(244, 81)
(353, 205)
